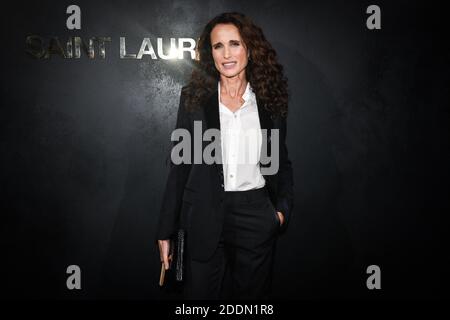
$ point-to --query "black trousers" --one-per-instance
(242, 264)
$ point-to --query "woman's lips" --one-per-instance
(229, 65)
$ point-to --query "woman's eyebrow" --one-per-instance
(228, 41)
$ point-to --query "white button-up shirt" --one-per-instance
(241, 141)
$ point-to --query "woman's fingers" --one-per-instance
(164, 252)
(281, 216)
(166, 262)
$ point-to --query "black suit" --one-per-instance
(196, 193)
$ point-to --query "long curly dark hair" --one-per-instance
(263, 71)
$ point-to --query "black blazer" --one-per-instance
(194, 193)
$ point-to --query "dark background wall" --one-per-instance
(83, 145)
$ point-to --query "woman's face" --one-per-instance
(228, 50)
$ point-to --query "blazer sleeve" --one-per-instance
(176, 180)
(285, 195)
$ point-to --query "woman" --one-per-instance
(232, 210)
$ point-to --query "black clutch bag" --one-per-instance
(177, 250)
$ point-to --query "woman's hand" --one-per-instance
(281, 216)
(164, 249)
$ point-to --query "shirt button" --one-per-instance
(231, 176)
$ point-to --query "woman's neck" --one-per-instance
(233, 87)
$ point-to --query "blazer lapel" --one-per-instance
(212, 119)
(267, 124)
(265, 120)
(212, 111)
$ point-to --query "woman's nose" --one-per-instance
(226, 53)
